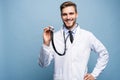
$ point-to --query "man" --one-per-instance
(74, 47)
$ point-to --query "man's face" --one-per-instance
(69, 16)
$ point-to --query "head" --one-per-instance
(69, 14)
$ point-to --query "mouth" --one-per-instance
(69, 21)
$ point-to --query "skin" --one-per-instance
(88, 76)
(69, 16)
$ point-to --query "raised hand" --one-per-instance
(47, 36)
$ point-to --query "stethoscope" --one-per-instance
(65, 39)
(52, 37)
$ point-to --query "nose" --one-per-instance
(68, 16)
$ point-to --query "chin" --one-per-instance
(70, 26)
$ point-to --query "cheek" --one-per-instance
(63, 17)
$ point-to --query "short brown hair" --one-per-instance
(68, 3)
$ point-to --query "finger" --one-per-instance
(46, 28)
(87, 76)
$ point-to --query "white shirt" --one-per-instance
(73, 65)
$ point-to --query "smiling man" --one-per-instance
(69, 16)
(72, 48)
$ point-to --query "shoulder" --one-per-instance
(86, 32)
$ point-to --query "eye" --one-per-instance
(64, 14)
(71, 13)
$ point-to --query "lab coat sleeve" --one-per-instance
(45, 56)
(103, 56)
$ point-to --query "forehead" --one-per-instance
(68, 9)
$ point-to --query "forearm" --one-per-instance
(45, 56)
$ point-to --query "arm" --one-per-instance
(46, 54)
(103, 58)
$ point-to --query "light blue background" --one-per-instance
(21, 27)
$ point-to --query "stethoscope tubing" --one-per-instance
(52, 37)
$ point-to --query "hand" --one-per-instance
(47, 36)
(88, 76)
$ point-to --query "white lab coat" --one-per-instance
(73, 65)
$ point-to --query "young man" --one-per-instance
(72, 48)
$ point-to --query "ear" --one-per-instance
(76, 15)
